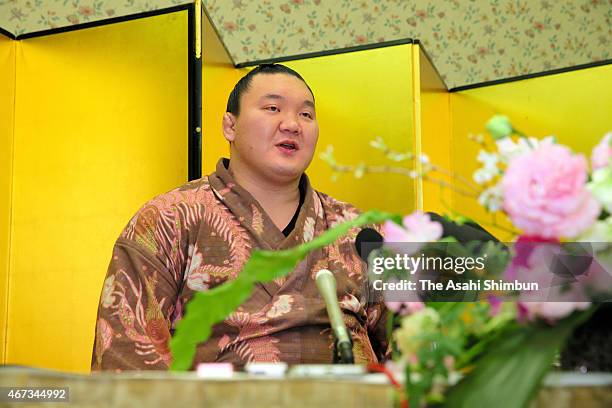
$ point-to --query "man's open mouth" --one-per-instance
(288, 145)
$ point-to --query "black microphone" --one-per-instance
(468, 231)
(372, 240)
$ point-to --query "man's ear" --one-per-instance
(229, 126)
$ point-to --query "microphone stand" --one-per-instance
(343, 343)
(343, 352)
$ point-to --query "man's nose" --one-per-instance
(290, 124)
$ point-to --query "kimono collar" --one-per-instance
(252, 216)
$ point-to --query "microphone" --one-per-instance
(343, 350)
(469, 231)
(368, 236)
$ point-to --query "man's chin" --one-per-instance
(286, 173)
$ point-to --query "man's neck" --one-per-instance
(279, 200)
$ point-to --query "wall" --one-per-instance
(101, 127)
(7, 111)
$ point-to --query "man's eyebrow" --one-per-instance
(309, 103)
(306, 102)
(272, 96)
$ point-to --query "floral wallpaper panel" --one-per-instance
(469, 41)
(26, 16)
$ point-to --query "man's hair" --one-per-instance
(233, 102)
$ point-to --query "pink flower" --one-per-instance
(549, 311)
(600, 157)
(417, 228)
(535, 262)
(545, 193)
(495, 303)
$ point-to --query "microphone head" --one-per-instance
(323, 273)
(326, 283)
(367, 236)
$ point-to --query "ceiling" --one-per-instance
(469, 41)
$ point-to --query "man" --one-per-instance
(200, 235)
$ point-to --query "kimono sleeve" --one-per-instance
(133, 323)
(138, 299)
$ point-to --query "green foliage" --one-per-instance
(208, 308)
(427, 373)
(510, 371)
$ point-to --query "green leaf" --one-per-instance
(208, 308)
(201, 313)
(510, 372)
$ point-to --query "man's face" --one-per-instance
(276, 132)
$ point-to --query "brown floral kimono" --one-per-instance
(200, 235)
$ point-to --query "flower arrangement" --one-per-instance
(497, 348)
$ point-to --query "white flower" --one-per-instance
(552, 311)
(419, 323)
(509, 149)
(378, 143)
(396, 156)
(599, 235)
(492, 198)
(488, 159)
(600, 231)
(489, 170)
(601, 186)
(484, 175)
